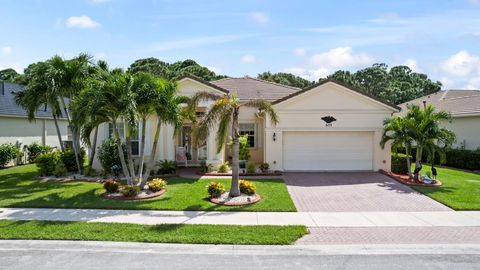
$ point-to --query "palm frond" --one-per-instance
(263, 106)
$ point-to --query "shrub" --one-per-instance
(250, 167)
(8, 152)
(463, 159)
(35, 149)
(108, 154)
(399, 163)
(224, 168)
(244, 147)
(47, 162)
(215, 189)
(130, 191)
(111, 186)
(60, 169)
(157, 184)
(247, 187)
(167, 167)
(68, 158)
(264, 167)
(89, 171)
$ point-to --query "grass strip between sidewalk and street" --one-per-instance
(162, 233)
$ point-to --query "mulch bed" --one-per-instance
(405, 179)
(141, 196)
(243, 199)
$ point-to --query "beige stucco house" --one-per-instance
(326, 127)
(15, 126)
(464, 107)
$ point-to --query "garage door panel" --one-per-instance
(324, 151)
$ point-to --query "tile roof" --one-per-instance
(248, 88)
(8, 105)
(457, 102)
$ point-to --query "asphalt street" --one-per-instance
(111, 255)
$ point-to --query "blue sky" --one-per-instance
(308, 38)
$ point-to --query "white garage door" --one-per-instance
(327, 151)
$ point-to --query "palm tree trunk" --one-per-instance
(409, 162)
(235, 189)
(142, 149)
(75, 144)
(94, 147)
(418, 161)
(120, 150)
(152, 155)
(59, 134)
(131, 166)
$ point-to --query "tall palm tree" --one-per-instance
(168, 109)
(39, 94)
(224, 112)
(427, 129)
(112, 98)
(397, 130)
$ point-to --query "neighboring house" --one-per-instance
(15, 126)
(464, 106)
(326, 127)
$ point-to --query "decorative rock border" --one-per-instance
(241, 174)
(243, 199)
(116, 196)
(398, 177)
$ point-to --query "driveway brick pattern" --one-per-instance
(391, 235)
(355, 192)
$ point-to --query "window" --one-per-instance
(249, 129)
(135, 141)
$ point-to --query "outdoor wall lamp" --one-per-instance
(274, 137)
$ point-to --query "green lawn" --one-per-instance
(460, 190)
(184, 233)
(19, 188)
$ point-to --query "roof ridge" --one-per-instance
(274, 83)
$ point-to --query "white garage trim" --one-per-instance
(328, 151)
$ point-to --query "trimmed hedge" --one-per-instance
(399, 163)
(456, 158)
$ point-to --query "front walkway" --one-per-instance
(309, 219)
(355, 192)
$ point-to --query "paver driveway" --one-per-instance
(355, 191)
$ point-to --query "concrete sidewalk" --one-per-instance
(309, 219)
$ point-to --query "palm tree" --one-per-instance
(38, 93)
(427, 129)
(224, 113)
(169, 111)
(397, 129)
(112, 99)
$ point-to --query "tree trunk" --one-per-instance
(75, 143)
(142, 149)
(418, 161)
(120, 150)
(235, 189)
(409, 162)
(152, 155)
(94, 148)
(59, 134)
(131, 166)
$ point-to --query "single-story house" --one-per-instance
(15, 126)
(326, 127)
(464, 107)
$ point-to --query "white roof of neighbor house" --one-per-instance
(456, 102)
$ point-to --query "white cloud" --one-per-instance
(83, 22)
(6, 50)
(412, 64)
(193, 42)
(462, 64)
(259, 17)
(341, 57)
(473, 83)
(214, 69)
(248, 58)
(300, 51)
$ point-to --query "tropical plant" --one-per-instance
(34, 150)
(250, 167)
(108, 154)
(130, 191)
(215, 189)
(244, 147)
(167, 166)
(397, 130)
(111, 186)
(157, 184)
(264, 167)
(47, 162)
(224, 112)
(224, 167)
(169, 111)
(60, 169)
(8, 152)
(247, 187)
